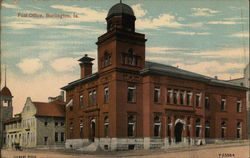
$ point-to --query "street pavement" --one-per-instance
(233, 150)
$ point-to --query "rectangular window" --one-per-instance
(81, 101)
(62, 136)
(189, 97)
(182, 97)
(81, 128)
(157, 95)
(45, 123)
(71, 106)
(56, 137)
(132, 94)
(94, 97)
(56, 123)
(62, 123)
(90, 98)
(239, 106)
(175, 96)
(206, 103)
(45, 140)
(198, 100)
(106, 95)
(169, 97)
(239, 129)
(223, 105)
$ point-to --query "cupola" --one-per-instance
(121, 16)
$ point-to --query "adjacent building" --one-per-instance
(40, 125)
(130, 103)
(13, 132)
(245, 81)
(6, 109)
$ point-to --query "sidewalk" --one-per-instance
(141, 153)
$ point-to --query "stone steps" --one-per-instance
(90, 147)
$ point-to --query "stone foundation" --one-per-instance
(118, 144)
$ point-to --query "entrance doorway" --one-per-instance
(92, 130)
(178, 132)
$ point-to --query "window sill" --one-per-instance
(158, 103)
(180, 105)
(131, 102)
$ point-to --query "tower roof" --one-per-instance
(120, 8)
(5, 92)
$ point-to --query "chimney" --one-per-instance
(216, 77)
(86, 65)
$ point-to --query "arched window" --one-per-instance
(157, 126)
(131, 126)
(198, 127)
(207, 129)
(106, 127)
(130, 58)
(223, 129)
(81, 128)
(239, 130)
(71, 130)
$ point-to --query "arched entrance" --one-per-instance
(92, 130)
(178, 132)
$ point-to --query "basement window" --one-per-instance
(239, 130)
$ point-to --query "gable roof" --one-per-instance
(55, 109)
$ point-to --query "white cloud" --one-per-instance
(90, 53)
(139, 12)
(198, 24)
(161, 59)
(72, 27)
(47, 56)
(241, 35)
(223, 22)
(30, 65)
(6, 5)
(163, 20)
(190, 33)
(212, 68)
(203, 12)
(64, 64)
(20, 25)
(229, 53)
(164, 50)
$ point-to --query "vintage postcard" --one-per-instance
(124, 78)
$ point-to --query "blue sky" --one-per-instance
(41, 52)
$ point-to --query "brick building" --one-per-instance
(130, 103)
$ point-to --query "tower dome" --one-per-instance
(5, 92)
(119, 9)
(121, 16)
